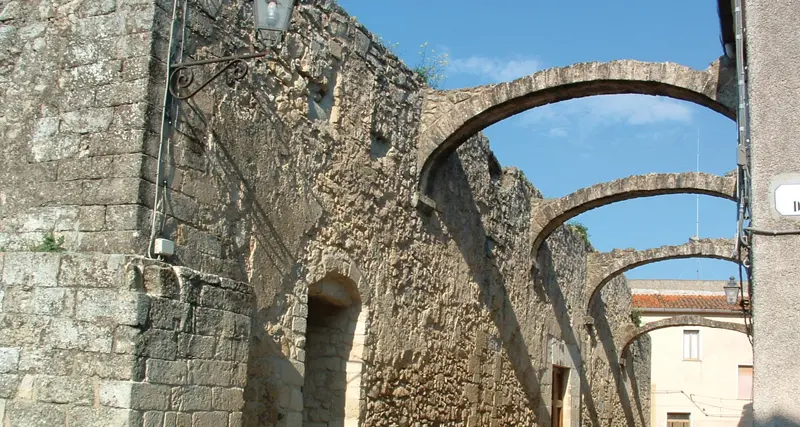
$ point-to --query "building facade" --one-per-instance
(700, 376)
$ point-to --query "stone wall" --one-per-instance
(304, 173)
(77, 91)
(112, 341)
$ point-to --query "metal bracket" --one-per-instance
(181, 75)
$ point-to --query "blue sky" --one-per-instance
(563, 147)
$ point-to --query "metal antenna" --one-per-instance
(697, 202)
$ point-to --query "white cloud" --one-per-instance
(634, 110)
(495, 69)
(639, 109)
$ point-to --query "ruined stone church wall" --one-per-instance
(304, 172)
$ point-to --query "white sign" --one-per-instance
(787, 199)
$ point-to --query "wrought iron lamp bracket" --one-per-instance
(181, 75)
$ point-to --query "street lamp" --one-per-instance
(271, 20)
(731, 291)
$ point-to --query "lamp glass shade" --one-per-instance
(731, 292)
(273, 15)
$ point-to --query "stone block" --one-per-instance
(235, 419)
(235, 350)
(120, 306)
(125, 92)
(210, 372)
(161, 282)
(116, 191)
(8, 385)
(54, 301)
(25, 413)
(235, 326)
(33, 269)
(91, 218)
(116, 394)
(46, 361)
(45, 128)
(101, 7)
(92, 270)
(131, 116)
(209, 419)
(223, 299)
(191, 398)
(195, 346)
(60, 147)
(87, 121)
(146, 396)
(153, 419)
(67, 334)
(89, 76)
(125, 339)
(299, 325)
(127, 217)
(170, 314)
(239, 378)
(100, 417)
(18, 299)
(228, 399)
(62, 389)
(106, 366)
(9, 359)
(116, 141)
(128, 242)
(158, 343)
(166, 372)
(208, 321)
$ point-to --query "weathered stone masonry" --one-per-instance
(110, 340)
(297, 180)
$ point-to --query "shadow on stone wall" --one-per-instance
(463, 222)
(547, 288)
(604, 331)
(269, 369)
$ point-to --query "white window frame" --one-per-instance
(686, 334)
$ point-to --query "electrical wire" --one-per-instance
(169, 119)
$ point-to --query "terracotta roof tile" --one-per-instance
(697, 302)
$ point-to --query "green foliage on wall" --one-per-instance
(50, 243)
(581, 229)
(432, 66)
(636, 317)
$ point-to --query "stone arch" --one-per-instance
(450, 117)
(552, 213)
(632, 332)
(336, 317)
(602, 267)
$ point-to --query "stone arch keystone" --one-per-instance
(550, 214)
(602, 267)
(632, 332)
(450, 117)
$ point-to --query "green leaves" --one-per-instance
(50, 244)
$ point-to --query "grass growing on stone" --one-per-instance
(50, 244)
(431, 66)
(580, 229)
(636, 317)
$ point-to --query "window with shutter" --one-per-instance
(678, 419)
